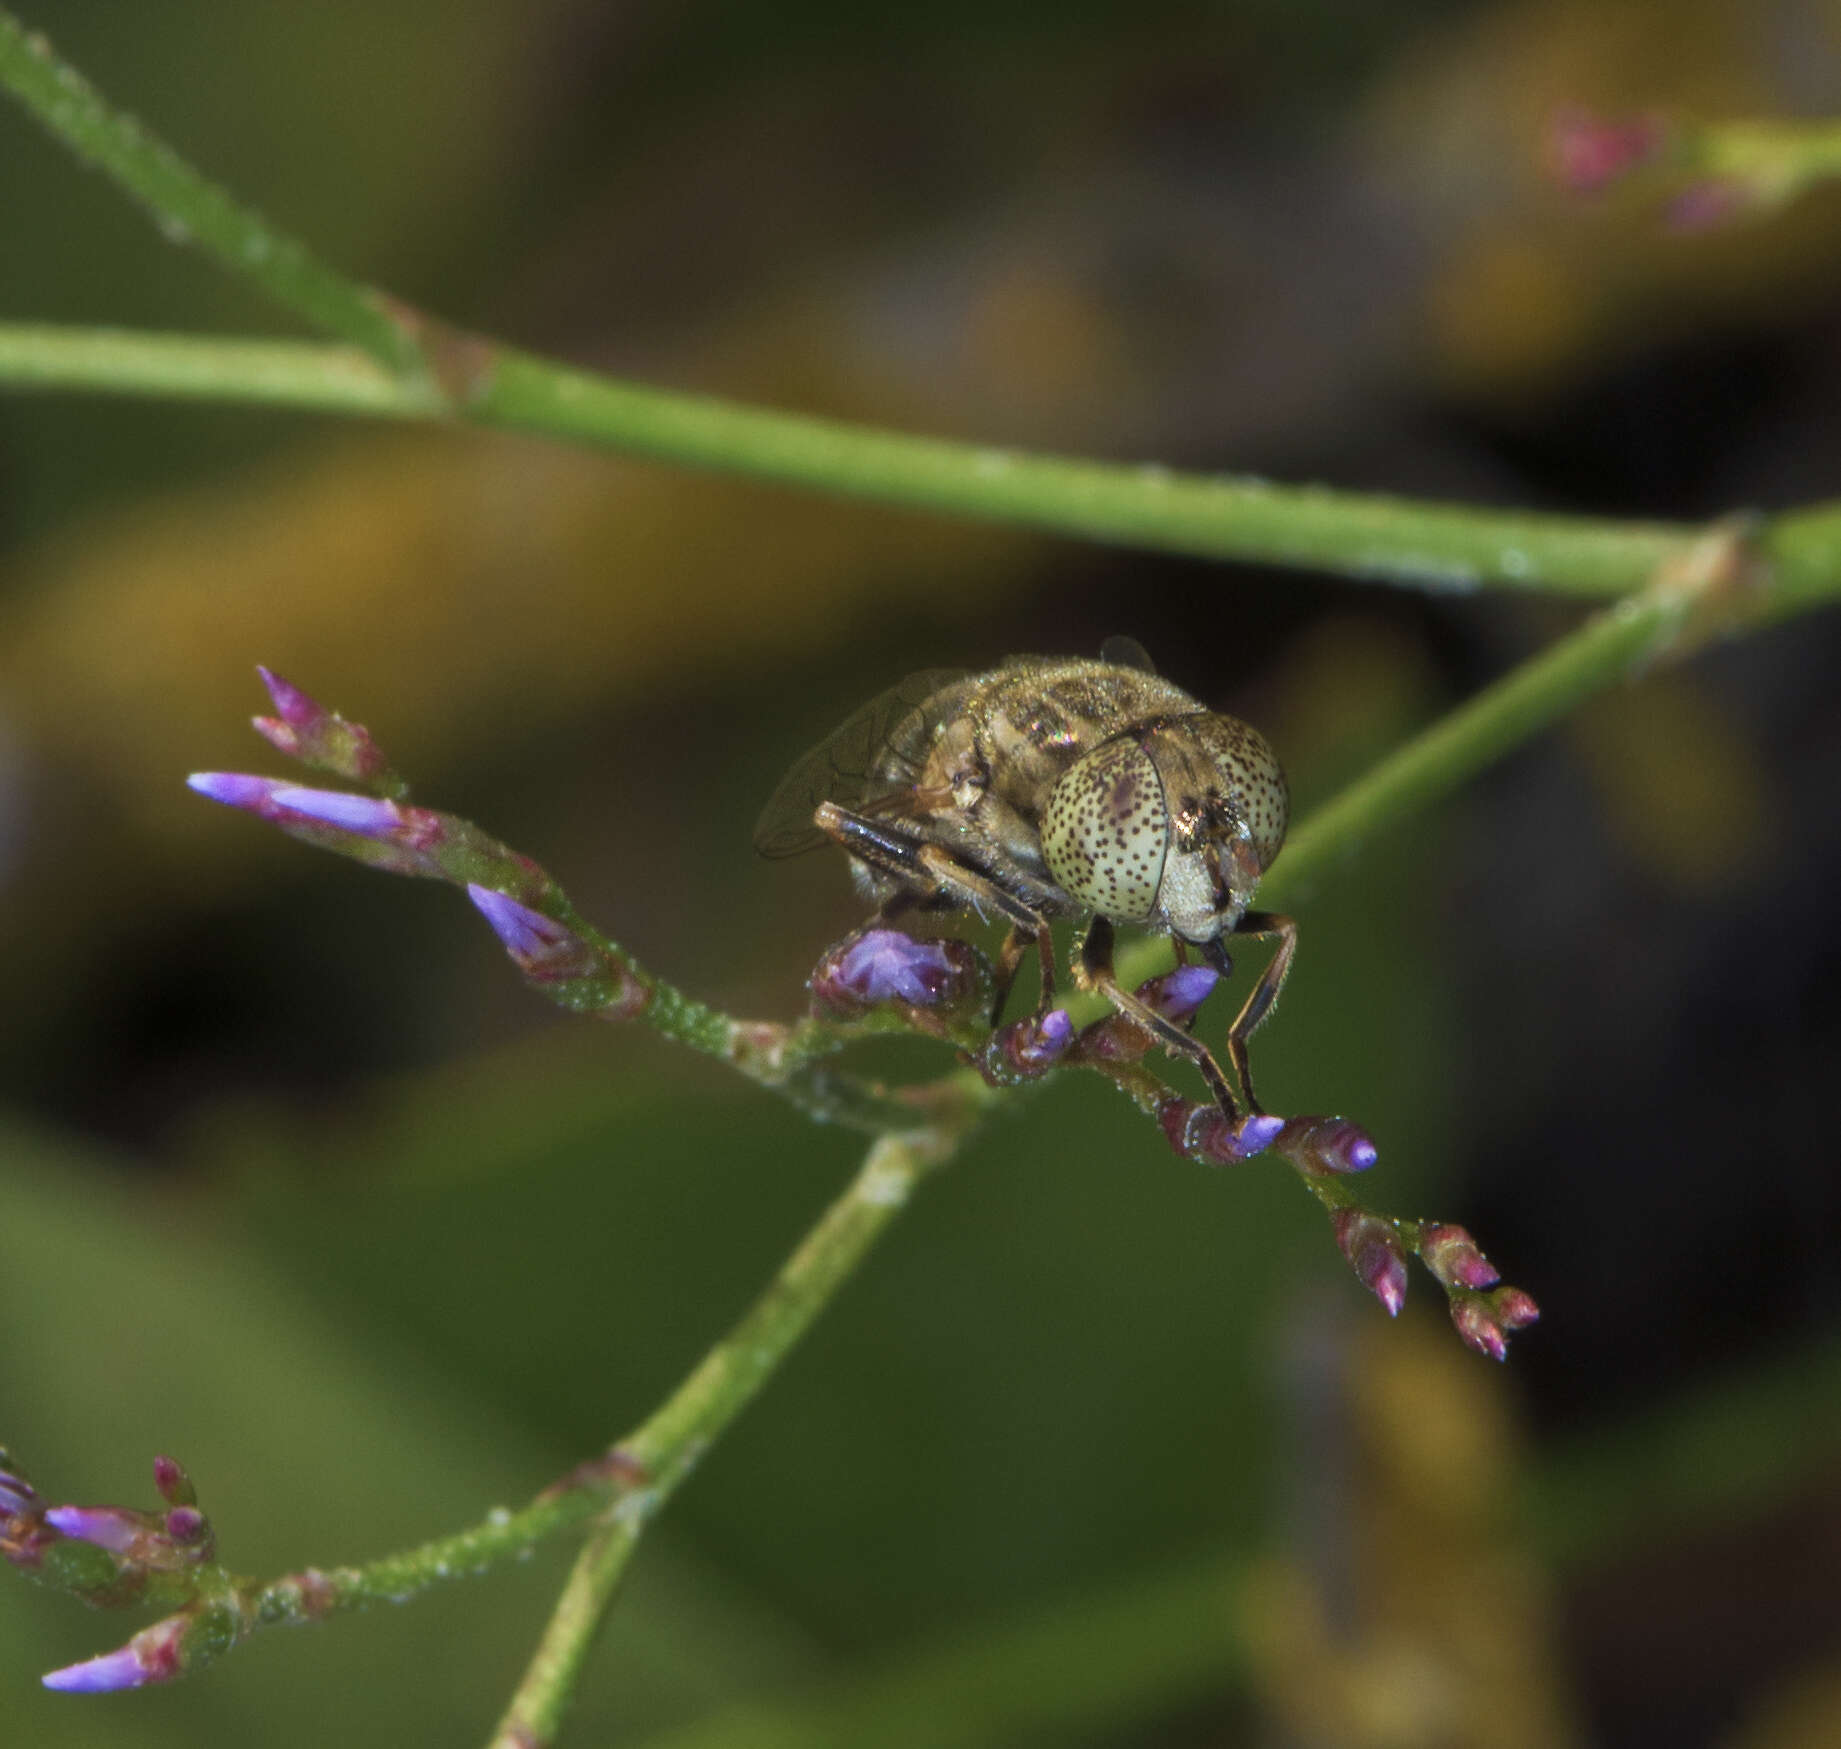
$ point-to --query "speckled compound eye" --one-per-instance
(1250, 773)
(1106, 831)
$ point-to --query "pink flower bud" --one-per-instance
(1515, 1310)
(1589, 153)
(1327, 1144)
(1476, 1323)
(174, 1485)
(1375, 1253)
(1452, 1255)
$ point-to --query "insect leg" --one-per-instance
(930, 868)
(1095, 972)
(1026, 924)
(1260, 925)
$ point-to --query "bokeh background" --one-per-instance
(303, 1186)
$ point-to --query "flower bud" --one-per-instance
(1452, 1255)
(382, 833)
(1476, 1323)
(155, 1654)
(1206, 1133)
(174, 1485)
(306, 730)
(1327, 1144)
(878, 966)
(1027, 1047)
(1375, 1253)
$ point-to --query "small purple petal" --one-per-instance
(525, 934)
(884, 965)
(297, 709)
(1259, 1130)
(186, 1524)
(103, 1675)
(108, 1527)
(16, 1494)
(365, 816)
(1178, 994)
(236, 789)
(1030, 1045)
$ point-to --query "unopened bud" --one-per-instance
(1029, 1046)
(385, 834)
(1327, 1144)
(1179, 994)
(1515, 1310)
(1476, 1323)
(306, 730)
(1375, 1253)
(174, 1485)
(1452, 1255)
(1206, 1133)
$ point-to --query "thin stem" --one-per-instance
(541, 1700)
(1395, 540)
(188, 207)
(663, 1451)
(629, 1483)
(308, 375)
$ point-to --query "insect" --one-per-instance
(1057, 787)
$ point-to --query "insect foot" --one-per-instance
(1026, 1048)
(1177, 995)
(1208, 1134)
(875, 967)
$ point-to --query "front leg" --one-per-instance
(928, 869)
(1259, 925)
(1093, 971)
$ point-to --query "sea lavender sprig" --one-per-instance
(875, 980)
(561, 954)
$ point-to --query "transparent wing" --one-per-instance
(839, 768)
(1123, 652)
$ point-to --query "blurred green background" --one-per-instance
(304, 1187)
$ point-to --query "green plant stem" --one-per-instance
(1396, 540)
(189, 208)
(627, 1486)
(664, 1450)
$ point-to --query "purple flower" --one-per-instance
(114, 1528)
(101, 1675)
(1028, 1046)
(884, 965)
(155, 1654)
(1208, 1134)
(541, 947)
(1180, 993)
(1476, 1323)
(366, 816)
